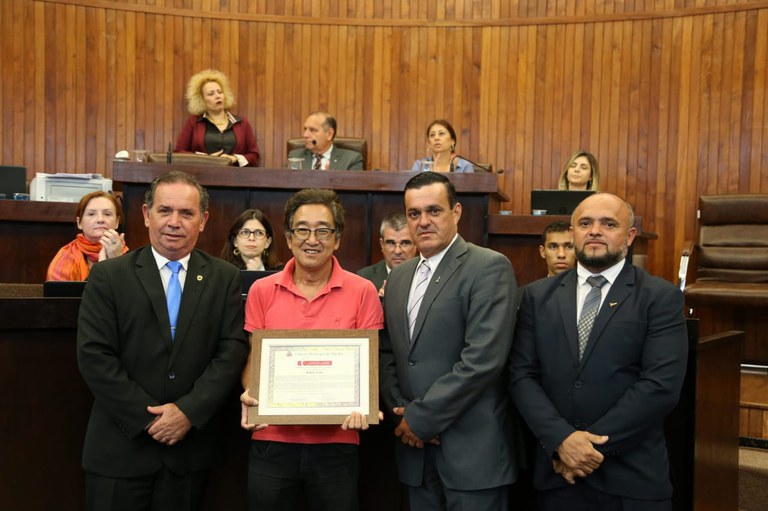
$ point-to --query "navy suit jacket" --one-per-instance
(341, 159)
(127, 358)
(450, 376)
(627, 382)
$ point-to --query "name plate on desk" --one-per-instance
(314, 376)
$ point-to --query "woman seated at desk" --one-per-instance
(98, 216)
(248, 242)
(441, 143)
(212, 129)
(580, 173)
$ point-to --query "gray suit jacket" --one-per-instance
(341, 159)
(627, 382)
(376, 273)
(449, 378)
(127, 358)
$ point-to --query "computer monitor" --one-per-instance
(558, 202)
(251, 276)
(12, 180)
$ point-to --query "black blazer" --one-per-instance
(127, 358)
(627, 382)
(376, 273)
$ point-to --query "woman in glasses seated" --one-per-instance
(248, 242)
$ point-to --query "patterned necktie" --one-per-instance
(318, 163)
(589, 310)
(173, 295)
(418, 294)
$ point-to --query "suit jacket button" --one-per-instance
(171, 375)
(411, 362)
(577, 384)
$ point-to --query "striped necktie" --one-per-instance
(414, 304)
(589, 310)
(318, 162)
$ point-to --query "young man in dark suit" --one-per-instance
(441, 364)
(159, 382)
(595, 390)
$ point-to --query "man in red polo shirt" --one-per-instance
(312, 292)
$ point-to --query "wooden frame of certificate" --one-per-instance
(314, 376)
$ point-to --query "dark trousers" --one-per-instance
(162, 491)
(324, 476)
(582, 497)
(432, 495)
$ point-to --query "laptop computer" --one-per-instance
(251, 276)
(12, 180)
(63, 288)
(558, 202)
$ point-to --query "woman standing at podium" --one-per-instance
(580, 173)
(212, 128)
(441, 143)
(98, 216)
(248, 243)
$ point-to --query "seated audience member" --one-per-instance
(580, 173)
(248, 242)
(319, 153)
(212, 128)
(313, 291)
(98, 216)
(441, 144)
(557, 248)
(396, 247)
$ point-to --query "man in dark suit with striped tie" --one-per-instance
(595, 390)
(159, 369)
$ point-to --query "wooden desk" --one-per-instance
(518, 237)
(367, 196)
(31, 233)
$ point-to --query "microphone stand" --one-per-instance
(486, 169)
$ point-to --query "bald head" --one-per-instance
(603, 229)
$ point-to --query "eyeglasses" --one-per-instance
(404, 245)
(246, 233)
(321, 233)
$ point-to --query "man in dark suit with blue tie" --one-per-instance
(595, 390)
(449, 317)
(159, 369)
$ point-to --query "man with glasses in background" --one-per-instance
(396, 247)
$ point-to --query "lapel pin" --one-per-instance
(199, 278)
(613, 304)
(437, 281)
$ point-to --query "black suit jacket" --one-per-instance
(127, 358)
(449, 377)
(376, 273)
(627, 382)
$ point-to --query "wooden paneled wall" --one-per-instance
(669, 94)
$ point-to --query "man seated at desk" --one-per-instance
(319, 153)
(396, 247)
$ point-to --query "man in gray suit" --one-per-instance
(159, 382)
(595, 390)
(396, 247)
(441, 364)
(319, 153)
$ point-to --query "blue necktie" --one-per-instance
(173, 296)
(589, 310)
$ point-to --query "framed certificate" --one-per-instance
(314, 376)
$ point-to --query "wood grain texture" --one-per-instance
(670, 95)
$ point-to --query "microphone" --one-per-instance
(314, 142)
(169, 157)
(483, 167)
